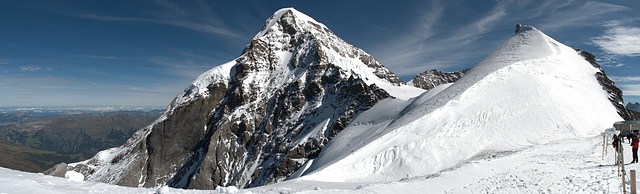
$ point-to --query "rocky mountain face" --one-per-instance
(254, 120)
(615, 94)
(430, 79)
(634, 106)
(635, 109)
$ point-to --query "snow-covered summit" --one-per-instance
(278, 32)
(295, 21)
(531, 90)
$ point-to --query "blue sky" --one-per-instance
(126, 52)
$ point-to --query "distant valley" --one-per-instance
(36, 139)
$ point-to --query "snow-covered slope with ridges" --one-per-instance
(571, 166)
(531, 90)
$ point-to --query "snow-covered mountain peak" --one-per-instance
(291, 21)
(256, 119)
(531, 90)
(277, 49)
(523, 28)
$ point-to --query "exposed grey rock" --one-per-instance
(58, 170)
(430, 79)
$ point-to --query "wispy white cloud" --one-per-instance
(185, 64)
(625, 79)
(180, 22)
(432, 44)
(630, 85)
(630, 89)
(438, 43)
(429, 20)
(620, 40)
(199, 17)
(572, 13)
(106, 57)
(30, 68)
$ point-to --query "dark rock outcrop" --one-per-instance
(430, 79)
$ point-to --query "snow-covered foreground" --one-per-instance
(567, 166)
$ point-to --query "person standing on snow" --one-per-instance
(616, 141)
(634, 147)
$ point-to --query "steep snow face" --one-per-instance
(531, 90)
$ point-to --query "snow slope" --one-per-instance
(531, 90)
(567, 166)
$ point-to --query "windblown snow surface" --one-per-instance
(567, 166)
(532, 90)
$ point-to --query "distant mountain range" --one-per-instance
(634, 106)
(70, 110)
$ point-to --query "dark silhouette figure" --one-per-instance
(518, 26)
(634, 148)
(615, 142)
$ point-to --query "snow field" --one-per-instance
(74, 176)
(531, 90)
(566, 166)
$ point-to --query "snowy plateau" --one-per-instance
(529, 118)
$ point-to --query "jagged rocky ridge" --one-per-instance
(257, 119)
(615, 94)
(432, 78)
